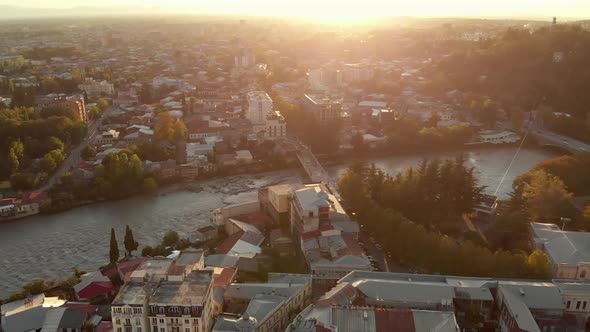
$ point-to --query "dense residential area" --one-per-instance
(269, 160)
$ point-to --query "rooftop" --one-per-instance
(563, 247)
(192, 290)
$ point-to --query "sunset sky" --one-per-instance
(345, 9)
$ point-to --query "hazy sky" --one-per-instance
(345, 9)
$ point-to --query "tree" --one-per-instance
(94, 112)
(546, 196)
(164, 128)
(149, 185)
(88, 153)
(539, 265)
(130, 243)
(114, 248)
(23, 182)
(15, 154)
(170, 239)
(102, 104)
(180, 131)
(48, 164)
(35, 287)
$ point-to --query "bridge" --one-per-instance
(550, 139)
(312, 166)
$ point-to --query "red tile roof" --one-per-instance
(394, 320)
(95, 289)
(225, 277)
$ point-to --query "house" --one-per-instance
(27, 314)
(281, 243)
(206, 233)
(64, 319)
(93, 285)
(224, 160)
(106, 137)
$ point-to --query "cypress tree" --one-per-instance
(114, 251)
(130, 243)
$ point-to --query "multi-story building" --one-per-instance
(95, 88)
(569, 251)
(163, 295)
(323, 109)
(311, 206)
(267, 307)
(181, 306)
(357, 72)
(75, 102)
(266, 122)
(259, 106)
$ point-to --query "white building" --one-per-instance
(259, 105)
(494, 137)
(357, 72)
(95, 88)
(265, 121)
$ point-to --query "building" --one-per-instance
(312, 206)
(95, 88)
(93, 285)
(27, 314)
(74, 102)
(264, 307)
(106, 137)
(493, 137)
(569, 251)
(379, 301)
(357, 72)
(64, 319)
(323, 109)
(166, 295)
(259, 105)
(176, 306)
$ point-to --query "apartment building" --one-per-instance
(322, 108)
(94, 88)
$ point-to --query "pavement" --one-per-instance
(380, 258)
(74, 158)
(566, 142)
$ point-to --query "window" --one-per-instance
(118, 321)
(578, 305)
(127, 321)
(569, 304)
(119, 329)
(583, 274)
(161, 321)
(138, 329)
(311, 213)
(154, 329)
(186, 321)
(154, 321)
(162, 329)
(187, 311)
(162, 310)
(584, 305)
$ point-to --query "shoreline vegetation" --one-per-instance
(328, 160)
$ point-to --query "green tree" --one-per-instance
(149, 185)
(170, 239)
(88, 153)
(22, 182)
(15, 155)
(546, 196)
(130, 243)
(35, 287)
(539, 265)
(102, 104)
(114, 248)
(48, 164)
(180, 131)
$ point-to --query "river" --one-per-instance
(53, 246)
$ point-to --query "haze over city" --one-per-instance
(294, 166)
(323, 10)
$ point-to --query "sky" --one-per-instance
(343, 9)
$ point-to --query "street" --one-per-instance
(74, 157)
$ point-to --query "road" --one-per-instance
(74, 157)
(379, 257)
(549, 137)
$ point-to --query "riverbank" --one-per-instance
(79, 238)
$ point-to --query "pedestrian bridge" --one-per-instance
(312, 166)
